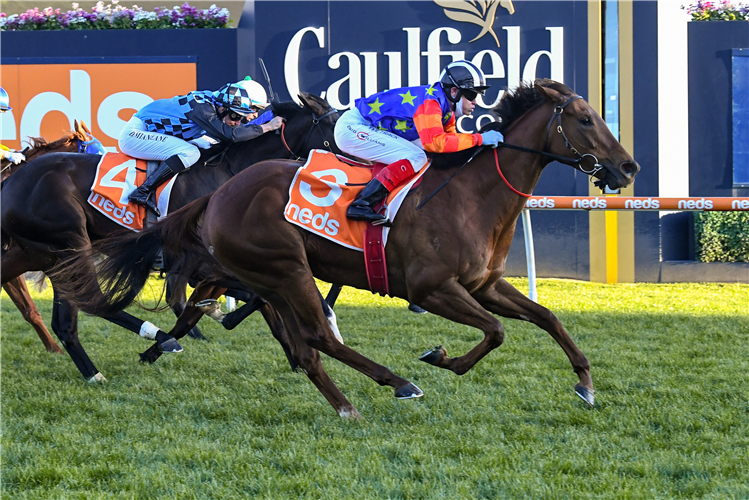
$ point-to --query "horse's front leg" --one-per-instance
(19, 294)
(451, 301)
(505, 300)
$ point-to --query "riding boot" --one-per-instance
(362, 208)
(390, 177)
(143, 194)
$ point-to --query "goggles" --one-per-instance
(469, 94)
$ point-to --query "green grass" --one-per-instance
(227, 419)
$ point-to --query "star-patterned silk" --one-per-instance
(417, 113)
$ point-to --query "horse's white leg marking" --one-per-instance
(97, 378)
(330, 315)
(148, 330)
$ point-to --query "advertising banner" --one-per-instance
(344, 50)
(46, 98)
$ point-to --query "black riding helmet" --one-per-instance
(466, 76)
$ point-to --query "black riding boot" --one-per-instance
(362, 208)
(142, 195)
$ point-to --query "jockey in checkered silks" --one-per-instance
(173, 130)
(7, 153)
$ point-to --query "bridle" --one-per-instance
(558, 110)
(315, 125)
(95, 146)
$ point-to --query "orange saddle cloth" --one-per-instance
(117, 175)
(321, 192)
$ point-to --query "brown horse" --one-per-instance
(79, 140)
(45, 216)
(448, 256)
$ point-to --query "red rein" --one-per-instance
(496, 160)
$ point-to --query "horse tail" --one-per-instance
(130, 258)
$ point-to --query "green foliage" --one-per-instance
(722, 236)
(228, 420)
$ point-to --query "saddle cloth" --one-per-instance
(117, 175)
(321, 192)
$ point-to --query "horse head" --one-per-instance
(309, 126)
(571, 133)
(577, 131)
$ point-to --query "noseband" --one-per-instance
(315, 124)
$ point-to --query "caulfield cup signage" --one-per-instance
(368, 71)
(46, 98)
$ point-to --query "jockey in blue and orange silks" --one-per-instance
(7, 153)
(397, 127)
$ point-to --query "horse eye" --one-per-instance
(585, 121)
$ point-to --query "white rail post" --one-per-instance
(231, 303)
(530, 255)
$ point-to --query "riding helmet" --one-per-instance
(4, 101)
(465, 76)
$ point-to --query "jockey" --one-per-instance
(8, 153)
(173, 130)
(397, 126)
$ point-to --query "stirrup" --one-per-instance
(383, 222)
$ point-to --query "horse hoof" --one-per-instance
(170, 346)
(416, 309)
(97, 378)
(585, 394)
(196, 334)
(408, 391)
(433, 355)
(351, 413)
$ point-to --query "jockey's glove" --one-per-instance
(204, 142)
(492, 138)
(14, 157)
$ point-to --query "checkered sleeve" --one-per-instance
(205, 116)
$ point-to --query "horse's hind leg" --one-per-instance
(304, 300)
(65, 325)
(277, 328)
(311, 364)
(178, 301)
(505, 300)
(19, 294)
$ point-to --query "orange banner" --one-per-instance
(635, 203)
(46, 98)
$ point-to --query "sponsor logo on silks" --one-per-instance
(467, 12)
(362, 136)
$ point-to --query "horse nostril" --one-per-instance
(628, 168)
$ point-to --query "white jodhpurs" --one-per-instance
(355, 136)
(135, 140)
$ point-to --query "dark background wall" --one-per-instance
(214, 50)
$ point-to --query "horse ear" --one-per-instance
(549, 94)
(85, 129)
(301, 97)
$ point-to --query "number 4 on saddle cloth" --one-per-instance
(319, 196)
(117, 175)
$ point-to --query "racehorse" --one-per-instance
(45, 216)
(78, 140)
(448, 256)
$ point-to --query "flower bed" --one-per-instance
(718, 11)
(115, 16)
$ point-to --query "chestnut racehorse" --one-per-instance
(448, 256)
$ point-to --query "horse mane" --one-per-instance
(514, 104)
